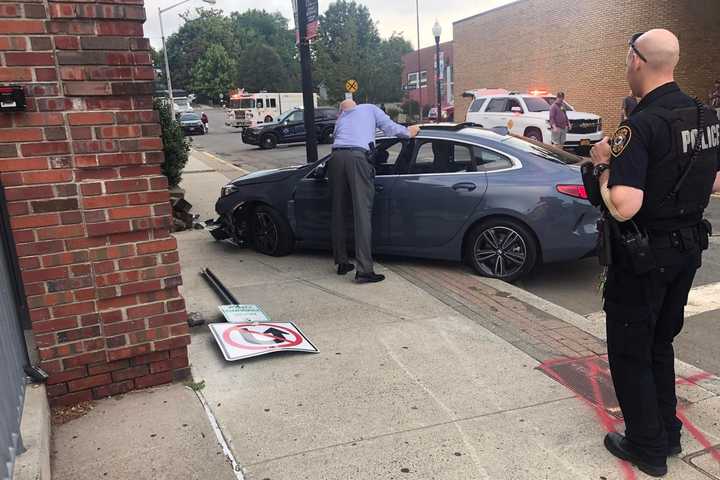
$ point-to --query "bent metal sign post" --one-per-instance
(245, 340)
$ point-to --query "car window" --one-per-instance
(272, 103)
(487, 160)
(496, 105)
(511, 103)
(296, 116)
(536, 104)
(189, 117)
(443, 156)
(259, 103)
(475, 106)
(551, 100)
(247, 103)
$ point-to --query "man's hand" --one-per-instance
(600, 152)
(413, 130)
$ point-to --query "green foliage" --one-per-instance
(263, 56)
(175, 145)
(212, 74)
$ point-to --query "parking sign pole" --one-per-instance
(307, 87)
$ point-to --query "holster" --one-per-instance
(604, 245)
(705, 234)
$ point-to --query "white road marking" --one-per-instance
(704, 298)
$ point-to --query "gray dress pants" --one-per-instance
(350, 173)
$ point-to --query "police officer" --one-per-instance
(656, 175)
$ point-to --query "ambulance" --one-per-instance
(246, 110)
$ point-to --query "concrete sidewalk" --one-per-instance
(430, 374)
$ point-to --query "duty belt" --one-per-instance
(683, 238)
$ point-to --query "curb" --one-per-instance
(215, 158)
(594, 327)
(34, 463)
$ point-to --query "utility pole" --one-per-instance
(417, 15)
(307, 86)
(437, 30)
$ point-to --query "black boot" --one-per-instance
(344, 268)
(622, 449)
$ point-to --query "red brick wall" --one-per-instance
(89, 207)
(580, 48)
(427, 62)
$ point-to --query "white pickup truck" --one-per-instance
(528, 115)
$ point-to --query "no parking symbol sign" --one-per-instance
(245, 340)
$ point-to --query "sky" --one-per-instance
(390, 15)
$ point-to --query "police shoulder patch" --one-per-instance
(620, 140)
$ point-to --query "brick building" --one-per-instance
(419, 82)
(580, 48)
(88, 205)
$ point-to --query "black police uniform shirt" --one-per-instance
(644, 137)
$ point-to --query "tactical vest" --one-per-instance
(661, 211)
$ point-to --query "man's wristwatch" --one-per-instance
(600, 168)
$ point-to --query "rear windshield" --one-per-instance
(542, 150)
(188, 117)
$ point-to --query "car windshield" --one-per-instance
(189, 117)
(288, 115)
(551, 100)
(542, 150)
(181, 102)
(536, 104)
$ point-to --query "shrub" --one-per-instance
(175, 145)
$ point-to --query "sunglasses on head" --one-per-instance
(632, 41)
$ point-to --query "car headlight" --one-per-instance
(228, 190)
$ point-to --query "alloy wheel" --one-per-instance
(265, 233)
(500, 252)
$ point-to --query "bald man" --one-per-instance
(656, 175)
(351, 172)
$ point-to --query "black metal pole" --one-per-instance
(307, 86)
(437, 77)
(419, 85)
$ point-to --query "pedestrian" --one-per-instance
(715, 98)
(629, 104)
(656, 175)
(204, 119)
(559, 122)
(351, 172)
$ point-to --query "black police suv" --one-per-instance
(290, 128)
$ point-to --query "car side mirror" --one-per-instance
(320, 171)
(516, 110)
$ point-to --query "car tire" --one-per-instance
(501, 248)
(268, 141)
(268, 119)
(327, 135)
(534, 134)
(270, 232)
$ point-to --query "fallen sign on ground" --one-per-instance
(243, 313)
(245, 340)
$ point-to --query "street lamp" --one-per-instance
(167, 65)
(437, 30)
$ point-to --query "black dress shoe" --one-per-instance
(622, 449)
(344, 268)
(674, 450)
(371, 277)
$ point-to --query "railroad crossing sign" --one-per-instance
(244, 340)
(351, 86)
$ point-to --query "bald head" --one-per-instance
(347, 105)
(661, 48)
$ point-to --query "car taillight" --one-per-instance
(577, 191)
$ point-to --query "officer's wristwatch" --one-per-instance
(599, 169)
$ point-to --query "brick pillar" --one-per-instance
(89, 207)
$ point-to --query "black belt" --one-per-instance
(682, 238)
(354, 149)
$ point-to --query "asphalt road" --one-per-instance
(572, 285)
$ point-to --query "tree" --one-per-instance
(175, 145)
(386, 81)
(212, 75)
(193, 39)
(345, 48)
(261, 68)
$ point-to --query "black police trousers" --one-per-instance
(644, 314)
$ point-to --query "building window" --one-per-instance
(412, 81)
(423, 78)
